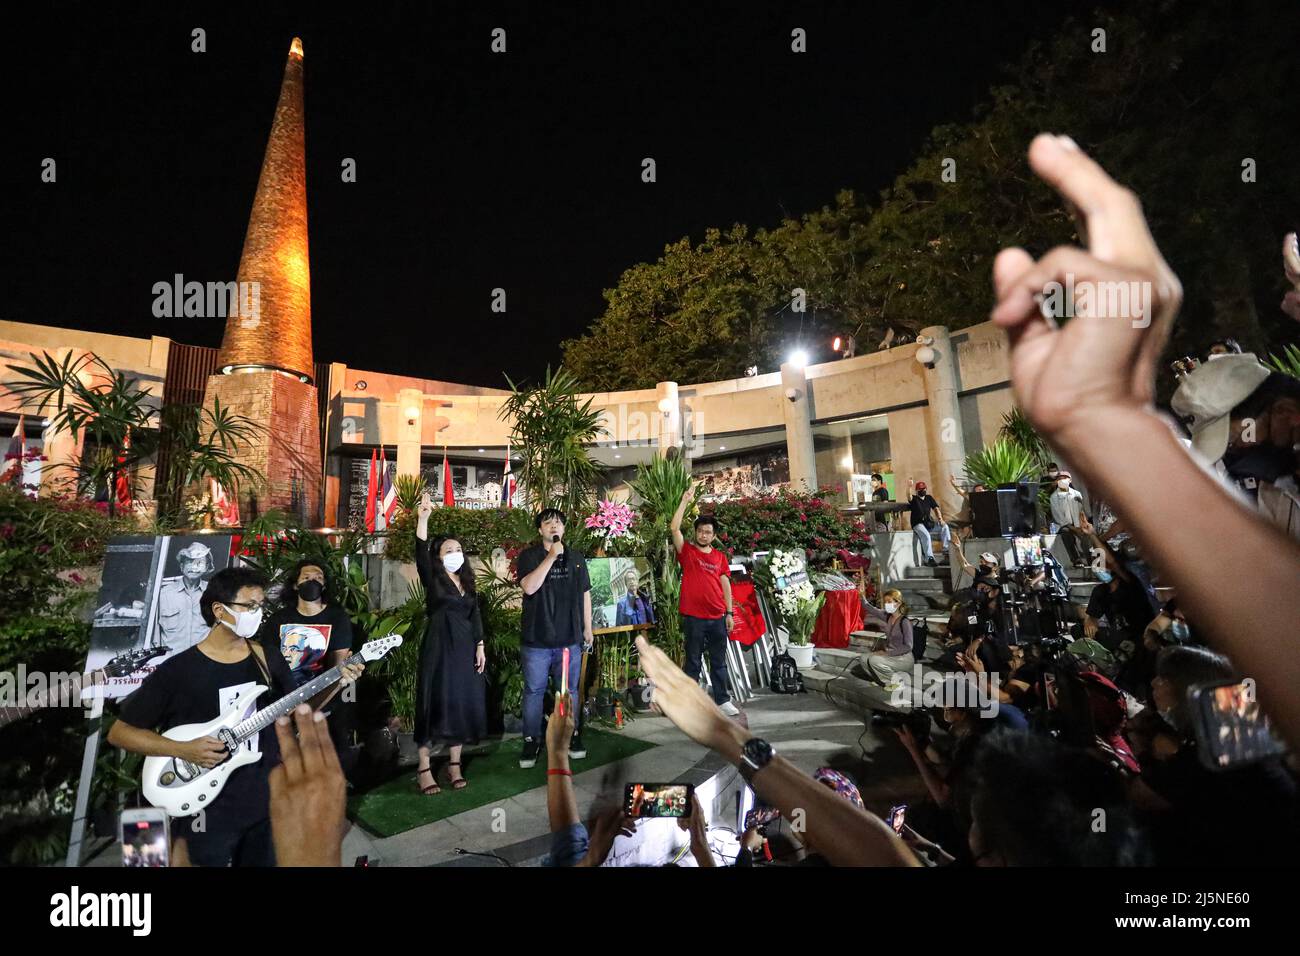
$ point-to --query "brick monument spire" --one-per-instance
(265, 362)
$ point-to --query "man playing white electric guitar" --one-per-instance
(197, 686)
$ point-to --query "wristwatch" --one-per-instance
(754, 756)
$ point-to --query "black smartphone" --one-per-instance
(1231, 729)
(896, 817)
(644, 800)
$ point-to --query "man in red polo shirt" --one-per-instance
(705, 602)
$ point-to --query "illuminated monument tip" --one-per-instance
(275, 254)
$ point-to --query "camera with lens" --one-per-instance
(917, 721)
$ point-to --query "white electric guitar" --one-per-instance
(183, 788)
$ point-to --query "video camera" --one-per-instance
(917, 721)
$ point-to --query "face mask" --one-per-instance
(453, 561)
(1063, 485)
(1104, 576)
(311, 590)
(246, 622)
(890, 607)
(1261, 462)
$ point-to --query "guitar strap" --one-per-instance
(260, 658)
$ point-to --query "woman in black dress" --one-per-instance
(451, 693)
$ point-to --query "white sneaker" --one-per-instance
(730, 709)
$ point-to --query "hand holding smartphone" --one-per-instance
(643, 801)
(146, 837)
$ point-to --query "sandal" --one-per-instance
(460, 783)
(433, 789)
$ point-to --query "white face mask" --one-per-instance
(246, 622)
(890, 607)
(453, 560)
(1063, 485)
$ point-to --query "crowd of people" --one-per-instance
(1099, 714)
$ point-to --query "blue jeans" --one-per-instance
(709, 634)
(923, 535)
(540, 663)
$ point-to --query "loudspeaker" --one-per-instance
(1006, 512)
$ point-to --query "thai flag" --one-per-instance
(507, 483)
(388, 493)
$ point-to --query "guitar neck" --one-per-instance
(40, 701)
(268, 715)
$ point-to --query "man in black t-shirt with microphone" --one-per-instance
(556, 615)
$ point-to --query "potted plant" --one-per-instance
(611, 525)
(793, 600)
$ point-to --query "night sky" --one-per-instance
(475, 170)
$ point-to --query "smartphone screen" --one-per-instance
(144, 838)
(1231, 729)
(896, 817)
(644, 800)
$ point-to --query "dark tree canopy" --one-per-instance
(1185, 96)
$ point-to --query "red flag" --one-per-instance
(123, 489)
(370, 494)
(448, 497)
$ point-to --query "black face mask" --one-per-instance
(1261, 462)
(311, 590)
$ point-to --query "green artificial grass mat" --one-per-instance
(493, 774)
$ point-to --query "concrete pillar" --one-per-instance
(796, 409)
(943, 416)
(409, 400)
(670, 417)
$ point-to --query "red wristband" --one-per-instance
(557, 772)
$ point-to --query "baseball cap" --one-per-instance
(990, 557)
(1209, 393)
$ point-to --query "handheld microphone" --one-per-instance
(555, 539)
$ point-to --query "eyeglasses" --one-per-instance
(254, 605)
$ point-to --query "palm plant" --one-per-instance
(204, 443)
(552, 429)
(1002, 463)
(660, 484)
(409, 489)
(1288, 363)
(86, 395)
(1017, 429)
(119, 419)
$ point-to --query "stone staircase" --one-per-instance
(925, 589)
(838, 673)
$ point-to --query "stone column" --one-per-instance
(670, 417)
(408, 430)
(943, 417)
(796, 409)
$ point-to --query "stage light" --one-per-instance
(751, 371)
(837, 344)
(847, 462)
(798, 358)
